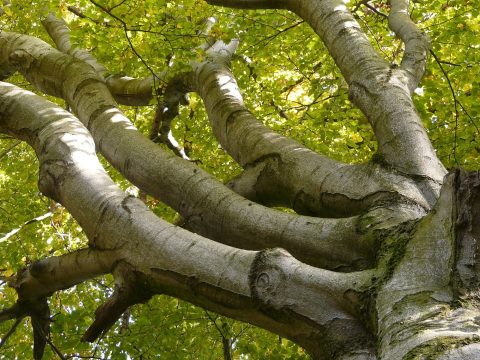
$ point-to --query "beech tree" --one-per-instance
(341, 228)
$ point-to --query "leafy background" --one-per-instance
(289, 82)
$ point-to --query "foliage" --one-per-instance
(288, 80)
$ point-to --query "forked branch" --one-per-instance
(275, 165)
(260, 287)
(201, 200)
(126, 90)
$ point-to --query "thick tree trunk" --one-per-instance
(426, 305)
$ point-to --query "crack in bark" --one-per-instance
(467, 269)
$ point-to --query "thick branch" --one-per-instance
(125, 90)
(162, 258)
(341, 34)
(43, 277)
(131, 91)
(275, 166)
(60, 34)
(381, 92)
(207, 205)
(417, 43)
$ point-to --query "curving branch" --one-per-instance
(275, 166)
(39, 280)
(417, 43)
(48, 275)
(131, 91)
(381, 92)
(126, 90)
(207, 205)
(60, 34)
(155, 257)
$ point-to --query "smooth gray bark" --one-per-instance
(275, 165)
(149, 256)
(418, 297)
(210, 209)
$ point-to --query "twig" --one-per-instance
(14, 231)
(455, 101)
(132, 47)
(11, 331)
(10, 148)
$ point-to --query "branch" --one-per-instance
(201, 200)
(37, 309)
(126, 90)
(131, 91)
(380, 91)
(40, 318)
(275, 165)
(342, 35)
(60, 34)
(157, 257)
(417, 43)
(12, 312)
(43, 277)
(155, 77)
(250, 4)
(127, 293)
(174, 95)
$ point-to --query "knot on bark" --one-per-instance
(21, 59)
(52, 174)
(267, 274)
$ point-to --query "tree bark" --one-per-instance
(390, 273)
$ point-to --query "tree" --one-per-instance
(352, 259)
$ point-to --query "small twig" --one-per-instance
(132, 47)
(375, 10)
(226, 341)
(449, 63)
(119, 4)
(80, 14)
(455, 101)
(11, 331)
(10, 148)
(55, 349)
(270, 38)
(16, 230)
